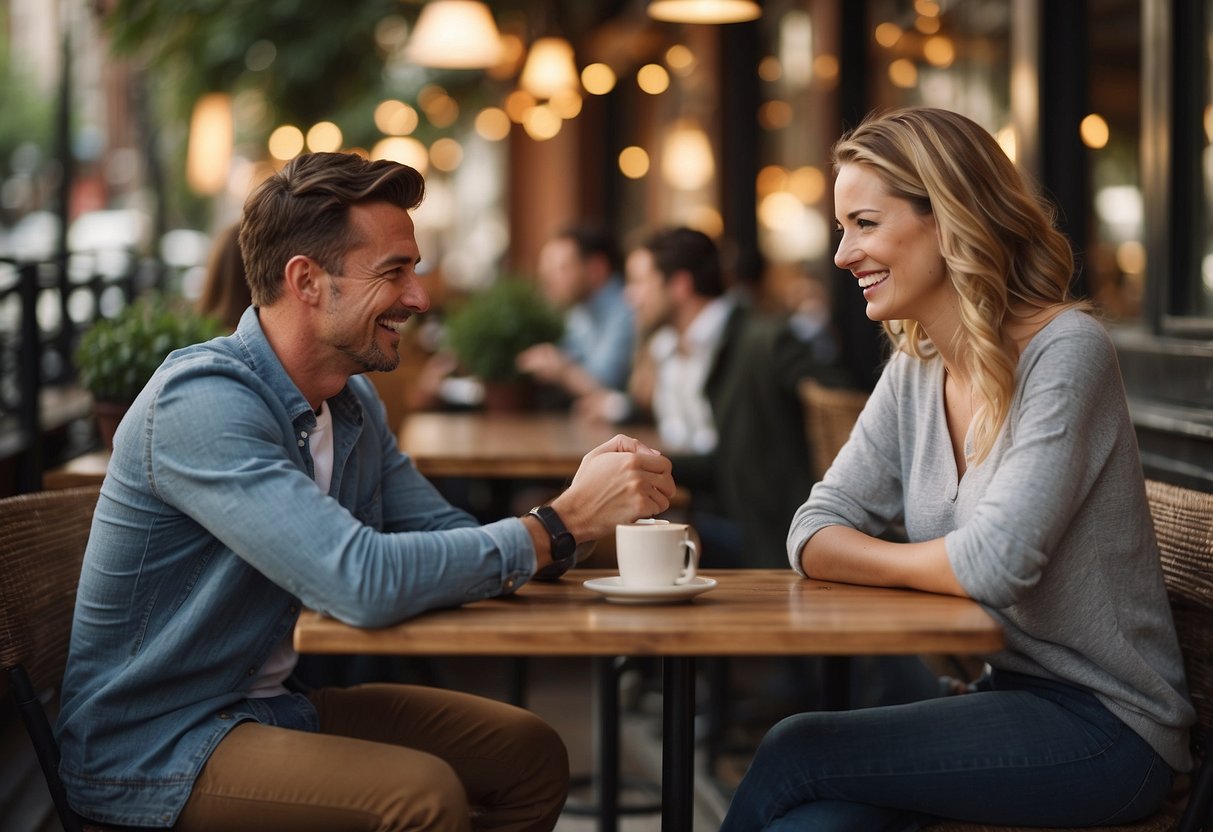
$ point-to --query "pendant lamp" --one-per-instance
(704, 11)
(454, 34)
(550, 68)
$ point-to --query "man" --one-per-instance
(578, 272)
(724, 395)
(255, 475)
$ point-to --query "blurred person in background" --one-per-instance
(225, 291)
(724, 395)
(579, 273)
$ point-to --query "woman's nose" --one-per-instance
(844, 255)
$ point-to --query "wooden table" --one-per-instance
(523, 445)
(86, 469)
(506, 445)
(752, 612)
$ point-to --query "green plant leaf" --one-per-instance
(493, 326)
(116, 356)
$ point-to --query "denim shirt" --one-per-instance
(599, 333)
(210, 535)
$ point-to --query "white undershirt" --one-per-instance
(282, 660)
(680, 405)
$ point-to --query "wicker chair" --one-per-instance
(1183, 520)
(42, 539)
(829, 415)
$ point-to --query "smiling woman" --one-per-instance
(996, 376)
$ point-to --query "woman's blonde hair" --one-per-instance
(1002, 252)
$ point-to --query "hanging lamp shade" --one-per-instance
(454, 34)
(704, 11)
(549, 68)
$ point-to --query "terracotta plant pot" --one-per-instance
(108, 415)
(509, 395)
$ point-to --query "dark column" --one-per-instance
(861, 339)
(1063, 104)
(740, 95)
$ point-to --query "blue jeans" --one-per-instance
(1025, 752)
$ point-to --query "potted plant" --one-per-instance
(492, 327)
(116, 356)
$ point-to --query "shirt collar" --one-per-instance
(257, 353)
(708, 327)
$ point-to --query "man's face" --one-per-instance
(562, 274)
(378, 290)
(646, 291)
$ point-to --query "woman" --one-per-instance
(1000, 435)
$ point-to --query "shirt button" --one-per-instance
(303, 434)
(224, 715)
(301, 443)
(509, 584)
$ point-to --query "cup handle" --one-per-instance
(692, 561)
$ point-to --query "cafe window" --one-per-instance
(944, 54)
(1191, 295)
(1177, 127)
(1113, 257)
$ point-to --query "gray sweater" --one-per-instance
(1051, 533)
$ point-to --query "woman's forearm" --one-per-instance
(839, 553)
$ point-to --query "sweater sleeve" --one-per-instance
(863, 486)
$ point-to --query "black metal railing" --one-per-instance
(44, 308)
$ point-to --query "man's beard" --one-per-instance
(372, 359)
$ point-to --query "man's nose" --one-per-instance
(415, 296)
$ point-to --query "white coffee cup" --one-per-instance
(655, 553)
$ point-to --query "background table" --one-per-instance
(512, 445)
(752, 612)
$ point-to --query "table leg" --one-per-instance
(678, 744)
(606, 720)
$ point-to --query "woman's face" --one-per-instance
(892, 251)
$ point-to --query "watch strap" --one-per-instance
(564, 546)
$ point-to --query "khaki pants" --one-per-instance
(388, 757)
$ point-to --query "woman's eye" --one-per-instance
(865, 223)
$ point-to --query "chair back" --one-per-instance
(829, 415)
(42, 541)
(1183, 523)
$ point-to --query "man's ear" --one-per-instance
(303, 278)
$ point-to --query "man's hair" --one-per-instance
(304, 210)
(593, 241)
(677, 249)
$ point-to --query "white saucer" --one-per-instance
(614, 590)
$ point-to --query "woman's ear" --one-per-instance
(303, 278)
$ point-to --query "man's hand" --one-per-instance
(620, 481)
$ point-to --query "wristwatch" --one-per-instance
(564, 546)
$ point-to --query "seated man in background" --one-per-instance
(579, 273)
(255, 475)
(724, 396)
